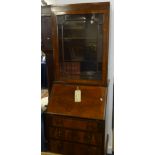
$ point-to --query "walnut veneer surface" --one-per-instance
(92, 103)
(77, 128)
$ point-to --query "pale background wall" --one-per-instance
(111, 63)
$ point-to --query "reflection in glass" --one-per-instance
(80, 46)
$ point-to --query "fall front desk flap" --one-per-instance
(78, 101)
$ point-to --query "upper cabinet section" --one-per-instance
(80, 43)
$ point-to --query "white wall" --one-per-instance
(111, 78)
(111, 63)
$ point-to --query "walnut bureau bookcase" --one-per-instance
(75, 116)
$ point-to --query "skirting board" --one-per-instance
(109, 151)
(110, 143)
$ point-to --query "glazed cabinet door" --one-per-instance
(80, 42)
(80, 46)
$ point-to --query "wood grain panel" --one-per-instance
(92, 103)
(74, 123)
(72, 148)
(75, 136)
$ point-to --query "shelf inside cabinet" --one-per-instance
(70, 38)
(82, 76)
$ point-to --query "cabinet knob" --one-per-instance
(101, 99)
(48, 38)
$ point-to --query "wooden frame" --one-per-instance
(73, 127)
(83, 8)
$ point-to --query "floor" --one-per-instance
(45, 153)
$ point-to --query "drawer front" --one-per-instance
(75, 136)
(74, 123)
(67, 148)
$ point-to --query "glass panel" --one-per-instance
(80, 46)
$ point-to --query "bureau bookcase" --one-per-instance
(75, 116)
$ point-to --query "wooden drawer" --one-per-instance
(68, 148)
(75, 136)
(74, 123)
